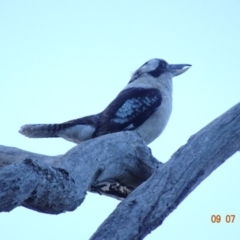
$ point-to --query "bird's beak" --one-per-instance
(177, 69)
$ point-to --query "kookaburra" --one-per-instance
(143, 106)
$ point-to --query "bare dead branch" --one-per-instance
(108, 165)
(147, 207)
(118, 161)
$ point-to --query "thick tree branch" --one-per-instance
(147, 207)
(113, 165)
(117, 161)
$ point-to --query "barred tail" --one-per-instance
(40, 130)
(76, 130)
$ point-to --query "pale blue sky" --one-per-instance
(61, 60)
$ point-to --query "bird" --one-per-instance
(143, 106)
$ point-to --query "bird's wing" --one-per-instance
(129, 110)
(91, 120)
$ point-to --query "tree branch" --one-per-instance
(113, 165)
(147, 207)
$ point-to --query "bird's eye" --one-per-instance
(163, 64)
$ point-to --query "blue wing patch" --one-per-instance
(132, 108)
(129, 110)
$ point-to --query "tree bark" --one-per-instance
(147, 207)
(112, 165)
(115, 165)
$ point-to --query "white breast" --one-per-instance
(155, 124)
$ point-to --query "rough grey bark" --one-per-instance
(147, 207)
(44, 183)
(58, 184)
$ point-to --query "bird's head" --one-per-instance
(157, 67)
